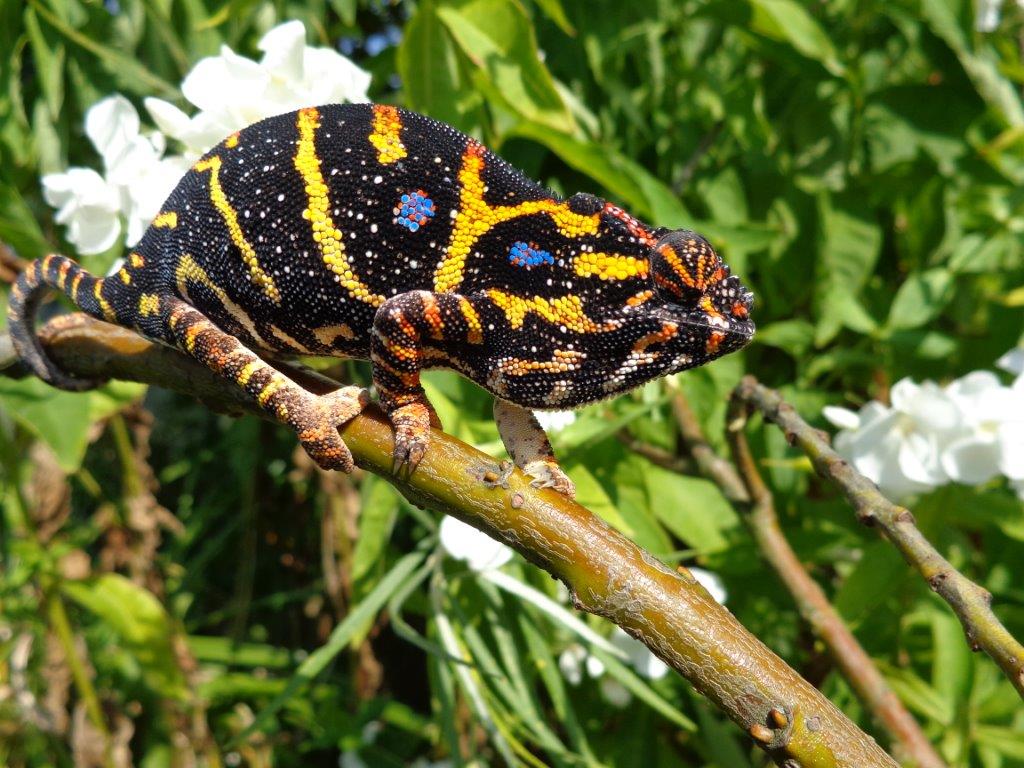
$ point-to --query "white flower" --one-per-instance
(478, 550)
(554, 421)
(574, 660)
(232, 91)
(615, 693)
(1012, 361)
(712, 582)
(639, 655)
(969, 431)
(87, 205)
(987, 18)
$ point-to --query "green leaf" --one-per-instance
(692, 508)
(793, 336)
(786, 21)
(921, 298)
(428, 65)
(870, 582)
(497, 37)
(376, 519)
(140, 621)
(643, 691)
(317, 661)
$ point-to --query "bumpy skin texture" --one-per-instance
(372, 232)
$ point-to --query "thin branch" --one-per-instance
(749, 494)
(971, 603)
(909, 742)
(654, 454)
(606, 573)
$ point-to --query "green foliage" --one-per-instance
(858, 163)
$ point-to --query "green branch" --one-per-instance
(971, 603)
(606, 573)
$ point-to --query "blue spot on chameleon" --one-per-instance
(528, 255)
(414, 210)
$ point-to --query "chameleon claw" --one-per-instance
(547, 474)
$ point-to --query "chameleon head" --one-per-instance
(708, 303)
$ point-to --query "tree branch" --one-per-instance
(971, 603)
(606, 573)
(909, 742)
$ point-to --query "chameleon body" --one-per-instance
(372, 232)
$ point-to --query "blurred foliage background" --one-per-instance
(169, 574)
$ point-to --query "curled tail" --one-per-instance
(89, 293)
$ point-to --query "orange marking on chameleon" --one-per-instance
(739, 309)
(563, 361)
(476, 217)
(639, 298)
(387, 134)
(432, 314)
(636, 229)
(677, 265)
(714, 340)
(706, 305)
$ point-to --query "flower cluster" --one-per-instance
(969, 431)
(229, 91)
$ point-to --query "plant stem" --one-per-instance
(971, 603)
(606, 573)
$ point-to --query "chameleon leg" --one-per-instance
(314, 418)
(530, 448)
(409, 331)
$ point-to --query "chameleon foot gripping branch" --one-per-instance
(371, 232)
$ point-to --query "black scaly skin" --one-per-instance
(372, 232)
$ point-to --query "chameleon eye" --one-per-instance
(685, 266)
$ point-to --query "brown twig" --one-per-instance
(654, 454)
(606, 573)
(909, 742)
(971, 603)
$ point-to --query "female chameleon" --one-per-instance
(372, 232)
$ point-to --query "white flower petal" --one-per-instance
(283, 50)
(553, 421)
(478, 550)
(570, 663)
(111, 124)
(614, 693)
(712, 582)
(1012, 361)
(168, 118)
(843, 418)
(639, 655)
(972, 460)
(1010, 436)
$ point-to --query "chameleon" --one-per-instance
(372, 232)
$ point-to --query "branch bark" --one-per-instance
(606, 573)
(971, 603)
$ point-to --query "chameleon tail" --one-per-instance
(89, 293)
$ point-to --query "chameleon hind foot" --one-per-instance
(317, 426)
(412, 423)
(547, 474)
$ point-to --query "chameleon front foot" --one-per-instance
(412, 424)
(547, 474)
(318, 427)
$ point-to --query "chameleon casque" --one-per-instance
(372, 232)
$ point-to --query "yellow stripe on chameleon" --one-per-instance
(268, 391)
(149, 304)
(166, 220)
(564, 310)
(220, 201)
(387, 134)
(609, 266)
(108, 311)
(475, 334)
(125, 277)
(247, 371)
(476, 218)
(136, 260)
(74, 286)
(318, 211)
(188, 271)
(190, 336)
